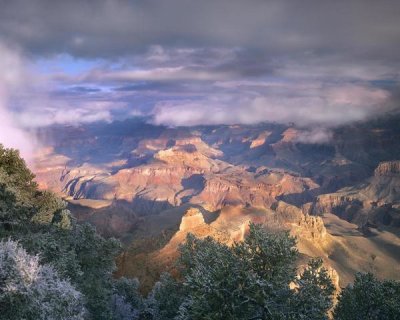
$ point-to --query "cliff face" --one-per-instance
(192, 219)
(375, 201)
(232, 225)
(235, 186)
(384, 186)
(302, 225)
(388, 169)
(157, 169)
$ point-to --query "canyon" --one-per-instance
(151, 185)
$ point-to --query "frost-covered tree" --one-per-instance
(162, 303)
(313, 292)
(29, 290)
(40, 222)
(251, 280)
(369, 298)
(164, 300)
(127, 302)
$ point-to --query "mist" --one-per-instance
(14, 77)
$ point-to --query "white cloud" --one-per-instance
(315, 136)
(81, 113)
(156, 74)
(325, 106)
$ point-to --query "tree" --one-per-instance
(314, 290)
(251, 280)
(127, 300)
(165, 298)
(41, 223)
(369, 298)
(29, 290)
(81, 255)
(15, 167)
(20, 199)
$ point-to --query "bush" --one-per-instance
(29, 290)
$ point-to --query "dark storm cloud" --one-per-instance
(113, 28)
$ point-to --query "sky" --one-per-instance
(318, 64)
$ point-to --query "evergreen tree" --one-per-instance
(41, 223)
(369, 298)
(29, 290)
(164, 300)
(251, 280)
(127, 302)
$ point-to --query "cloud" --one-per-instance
(27, 102)
(14, 76)
(106, 28)
(180, 73)
(310, 106)
(47, 117)
(184, 88)
(315, 136)
(315, 63)
(200, 91)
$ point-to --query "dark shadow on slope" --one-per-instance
(145, 207)
(195, 181)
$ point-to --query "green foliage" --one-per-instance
(127, 300)
(369, 298)
(15, 168)
(81, 255)
(165, 298)
(20, 199)
(219, 283)
(42, 224)
(48, 208)
(254, 279)
(270, 255)
(15, 204)
(314, 291)
(251, 280)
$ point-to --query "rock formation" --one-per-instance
(376, 200)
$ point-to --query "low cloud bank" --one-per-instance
(315, 136)
(316, 107)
